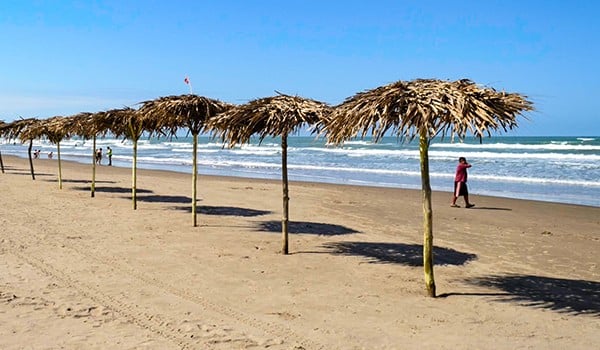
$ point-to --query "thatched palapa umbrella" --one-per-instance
(129, 123)
(270, 116)
(168, 114)
(89, 126)
(15, 129)
(55, 129)
(426, 108)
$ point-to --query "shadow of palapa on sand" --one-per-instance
(23, 171)
(28, 173)
(225, 211)
(303, 227)
(160, 198)
(81, 181)
(399, 253)
(577, 297)
(111, 189)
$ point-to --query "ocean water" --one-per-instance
(554, 169)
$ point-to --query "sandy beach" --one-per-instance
(91, 273)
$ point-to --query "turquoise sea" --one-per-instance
(554, 169)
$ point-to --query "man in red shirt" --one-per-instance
(460, 183)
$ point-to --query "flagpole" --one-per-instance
(189, 83)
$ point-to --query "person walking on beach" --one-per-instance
(109, 154)
(99, 156)
(460, 184)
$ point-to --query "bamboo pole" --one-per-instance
(31, 160)
(194, 178)
(93, 187)
(59, 166)
(427, 215)
(134, 175)
(1, 163)
(286, 198)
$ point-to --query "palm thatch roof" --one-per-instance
(437, 107)
(84, 124)
(18, 130)
(270, 116)
(14, 129)
(121, 122)
(116, 121)
(54, 129)
(168, 114)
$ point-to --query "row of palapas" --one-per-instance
(422, 108)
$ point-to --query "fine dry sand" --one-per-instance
(91, 273)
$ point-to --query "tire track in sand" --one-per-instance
(154, 322)
(273, 329)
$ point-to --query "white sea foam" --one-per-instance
(554, 146)
(387, 172)
(147, 146)
(200, 150)
(535, 180)
(500, 155)
(255, 150)
(359, 142)
(414, 154)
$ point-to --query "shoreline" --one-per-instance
(158, 168)
(81, 272)
(518, 167)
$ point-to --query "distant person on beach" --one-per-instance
(99, 156)
(109, 154)
(50, 154)
(36, 154)
(460, 184)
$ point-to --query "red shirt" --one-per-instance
(461, 172)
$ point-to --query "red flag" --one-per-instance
(186, 80)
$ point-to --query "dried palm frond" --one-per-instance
(85, 125)
(123, 122)
(170, 113)
(437, 107)
(54, 129)
(270, 116)
(14, 129)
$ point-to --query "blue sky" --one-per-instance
(64, 57)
